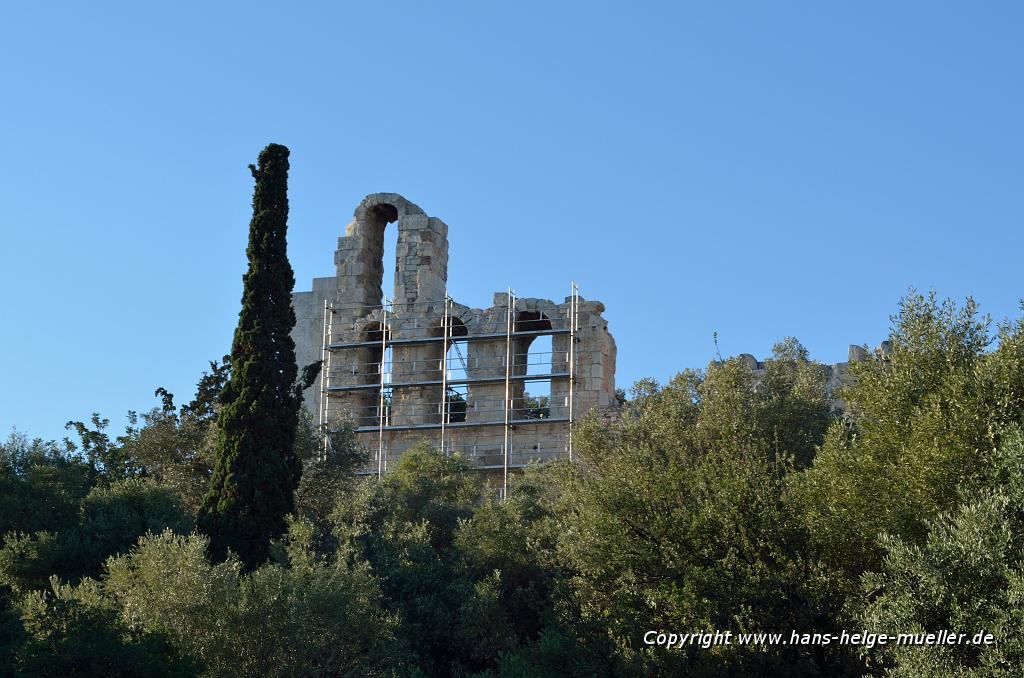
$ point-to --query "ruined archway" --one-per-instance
(375, 223)
(372, 370)
(531, 397)
(421, 254)
(456, 357)
(345, 316)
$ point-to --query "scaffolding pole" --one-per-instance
(569, 326)
(324, 358)
(330, 360)
(380, 398)
(471, 337)
(508, 391)
(445, 327)
(573, 315)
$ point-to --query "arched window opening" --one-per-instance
(457, 395)
(374, 370)
(382, 261)
(532, 360)
(455, 356)
(390, 285)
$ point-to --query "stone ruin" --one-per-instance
(419, 366)
(837, 375)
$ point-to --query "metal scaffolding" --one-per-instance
(508, 391)
(382, 413)
(353, 373)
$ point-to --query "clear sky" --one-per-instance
(758, 169)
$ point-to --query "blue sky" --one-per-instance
(753, 169)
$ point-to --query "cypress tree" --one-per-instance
(256, 471)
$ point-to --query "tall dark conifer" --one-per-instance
(256, 471)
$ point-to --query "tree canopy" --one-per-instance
(256, 472)
(727, 499)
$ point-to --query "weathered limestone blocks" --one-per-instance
(410, 362)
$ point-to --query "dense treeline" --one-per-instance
(722, 500)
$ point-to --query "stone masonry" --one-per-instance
(418, 334)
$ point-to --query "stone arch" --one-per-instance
(531, 355)
(366, 236)
(421, 257)
(370, 361)
(470, 317)
(456, 354)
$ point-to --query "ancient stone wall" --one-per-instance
(446, 365)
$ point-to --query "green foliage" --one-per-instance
(41, 486)
(427, 487)
(106, 457)
(328, 473)
(967, 577)
(307, 616)
(12, 634)
(27, 561)
(203, 407)
(517, 539)
(176, 448)
(560, 653)
(511, 546)
(536, 407)
(781, 413)
(75, 631)
(456, 406)
(256, 471)
(677, 517)
(111, 520)
(405, 527)
(921, 421)
(793, 409)
(471, 578)
(730, 499)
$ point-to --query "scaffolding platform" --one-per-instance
(405, 373)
